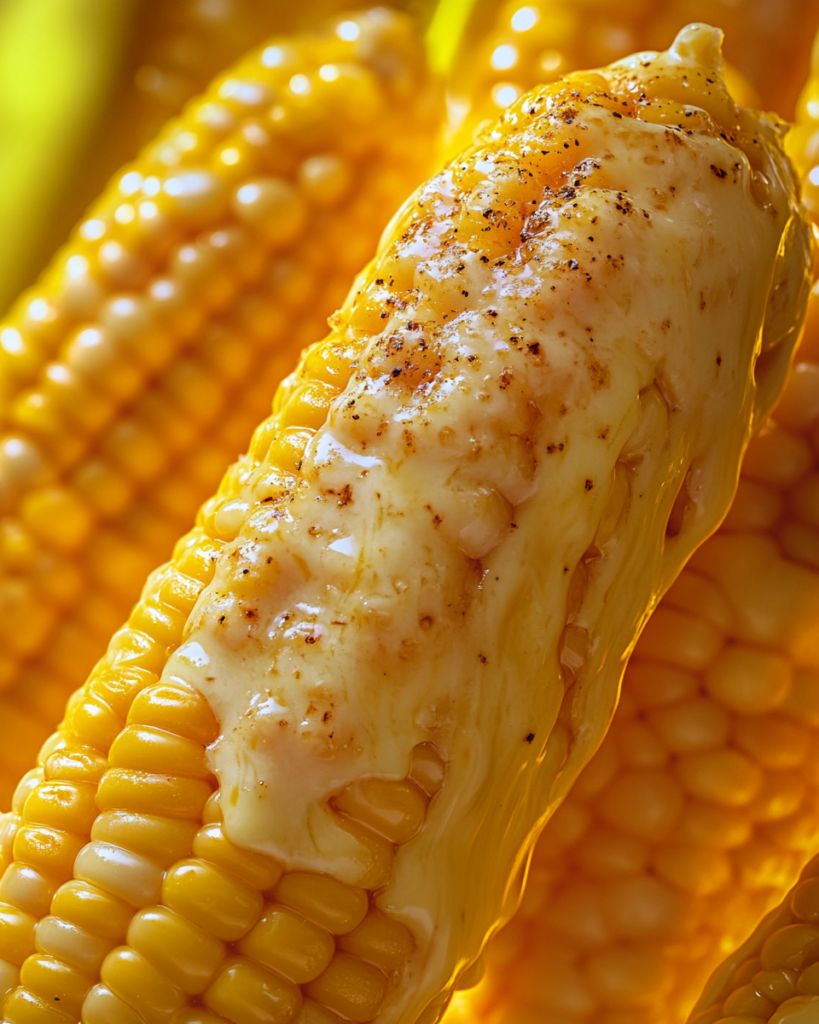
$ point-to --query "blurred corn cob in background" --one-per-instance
(84, 84)
(140, 790)
(135, 370)
(512, 46)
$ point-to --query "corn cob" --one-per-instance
(136, 370)
(300, 889)
(152, 57)
(515, 45)
(773, 978)
(642, 880)
(701, 805)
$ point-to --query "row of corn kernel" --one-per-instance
(168, 50)
(56, 805)
(223, 924)
(525, 42)
(90, 497)
(700, 806)
(774, 977)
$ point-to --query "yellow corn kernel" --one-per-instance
(94, 910)
(245, 992)
(24, 887)
(374, 854)
(164, 839)
(61, 805)
(154, 750)
(140, 985)
(131, 877)
(379, 940)
(167, 795)
(23, 1007)
(197, 1016)
(307, 406)
(72, 944)
(288, 447)
(289, 945)
(794, 946)
(47, 849)
(314, 1013)
(56, 982)
(323, 900)
(254, 869)
(220, 904)
(427, 768)
(79, 764)
(350, 988)
(178, 710)
(118, 688)
(775, 985)
(94, 723)
(101, 1006)
(162, 623)
(186, 955)
(396, 810)
(16, 934)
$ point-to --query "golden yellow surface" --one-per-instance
(701, 807)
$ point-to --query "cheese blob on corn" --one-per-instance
(429, 571)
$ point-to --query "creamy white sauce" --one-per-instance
(416, 588)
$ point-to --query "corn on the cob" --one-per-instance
(773, 978)
(126, 68)
(701, 805)
(523, 42)
(136, 371)
(644, 877)
(504, 403)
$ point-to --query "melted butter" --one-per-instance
(415, 589)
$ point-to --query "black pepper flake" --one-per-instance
(529, 737)
(589, 484)
(573, 264)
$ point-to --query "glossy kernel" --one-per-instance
(186, 955)
(323, 900)
(350, 988)
(395, 809)
(257, 870)
(211, 899)
(153, 750)
(380, 940)
(288, 944)
(245, 993)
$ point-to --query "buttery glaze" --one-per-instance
(579, 320)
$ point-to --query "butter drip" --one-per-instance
(554, 353)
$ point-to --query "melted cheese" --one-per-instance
(526, 416)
